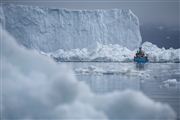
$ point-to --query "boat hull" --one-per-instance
(140, 59)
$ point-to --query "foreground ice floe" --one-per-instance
(116, 53)
(35, 87)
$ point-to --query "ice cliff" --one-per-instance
(50, 29)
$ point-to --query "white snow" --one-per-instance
(117, 53)
(50, 29)
(71, 55)
(111, 53)
(101, 53)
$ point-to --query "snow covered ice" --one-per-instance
(50, 29)
(117, 53)
(81, 35)
(156, 54)
(170, 83)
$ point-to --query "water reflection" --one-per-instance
(110, 83)
(158, 72)
(140, 66)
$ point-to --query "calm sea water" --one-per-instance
(147, 79)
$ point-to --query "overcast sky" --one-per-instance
(149, 11)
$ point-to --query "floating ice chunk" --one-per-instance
(111, 53)
(71, 55)
(156, 54)
(101, 53)
(170, 83)
(107, 71)
(90, 70)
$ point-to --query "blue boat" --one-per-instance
(140, 56)
(139, 59)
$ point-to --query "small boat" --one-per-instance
(143, 59)
(140, 56)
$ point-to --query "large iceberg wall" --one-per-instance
(49, 29)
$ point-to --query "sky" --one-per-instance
(159, 18)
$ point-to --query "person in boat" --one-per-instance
(140, 56)
(140, 52)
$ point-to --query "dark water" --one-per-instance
(148, 79)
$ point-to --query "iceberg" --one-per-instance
(102, 53)
(50, 29)
(95, 70)
(156, 54)
(116, 53)
(81, 35)
(170, 83)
